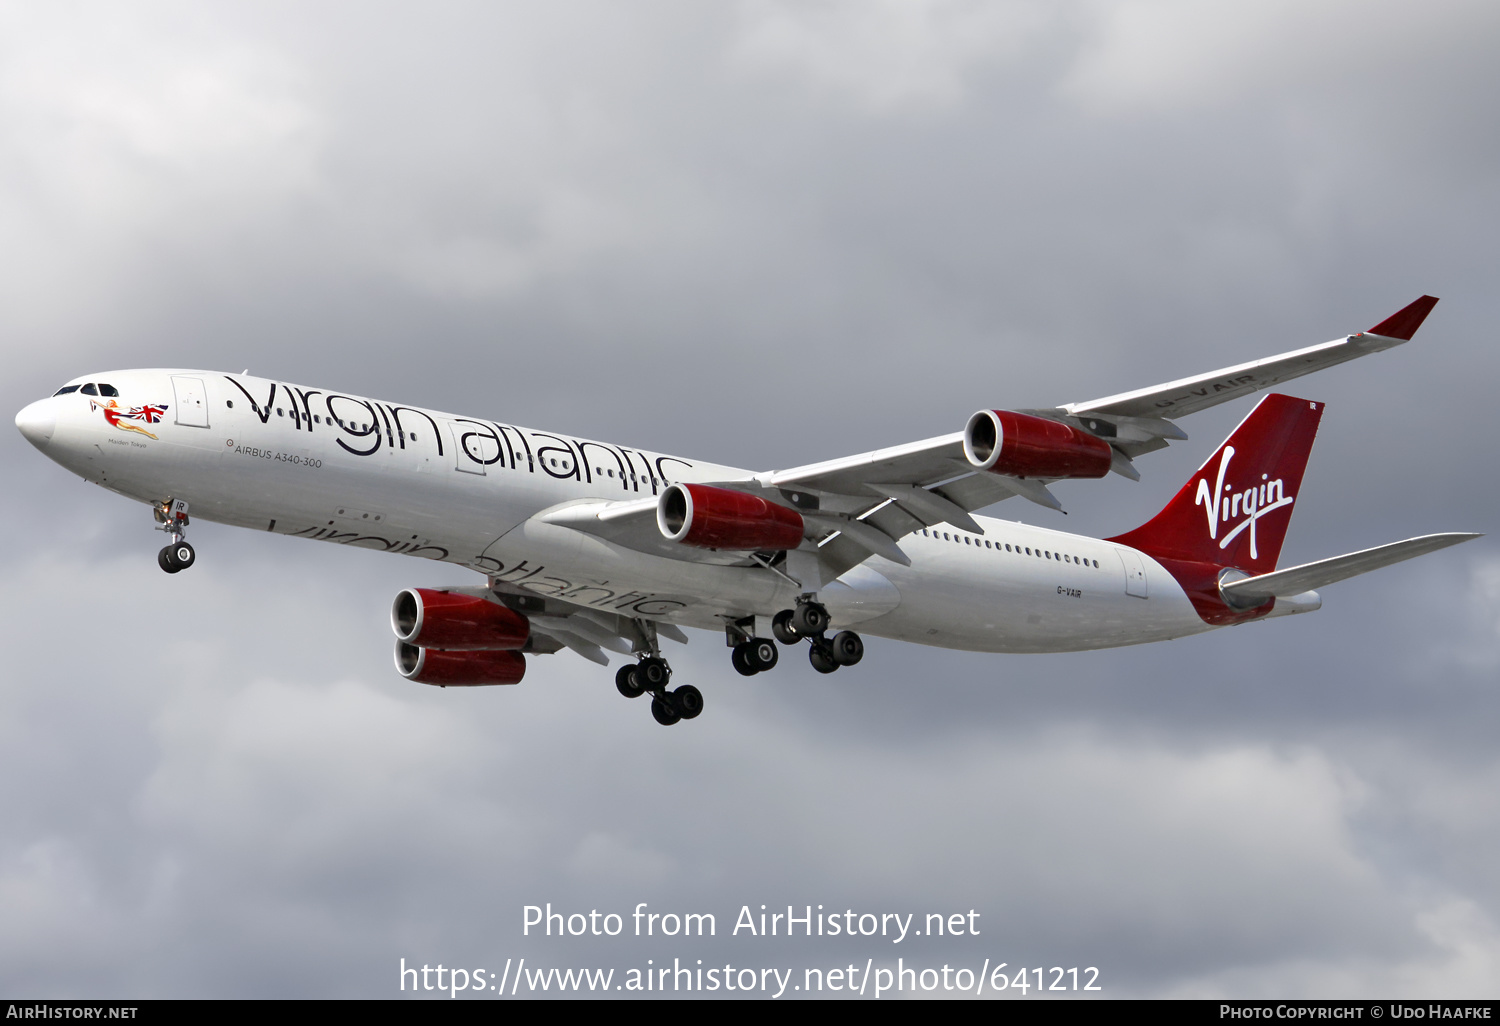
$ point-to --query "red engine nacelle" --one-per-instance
(1019, 445)
(456, 622)
(459, 669)
(720, 518)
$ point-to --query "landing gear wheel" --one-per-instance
(740, 657)
(821, 657)
(662, 709)
(183, 554)
(781, 626)
(761, 653)
(848, 649)
(628, 681)
(175, 557)
(687, 701)
(809, 619)
(654, 673)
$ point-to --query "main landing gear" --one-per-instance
(810, 621)
(172, 518)
(652, 674)
(754, 656)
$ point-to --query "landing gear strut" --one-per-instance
(172, 518)
(810, 620)
(652, 674)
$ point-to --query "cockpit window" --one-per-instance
(89, 389)
(66, 389)
(108, 390)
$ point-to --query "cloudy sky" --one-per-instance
(761, 234)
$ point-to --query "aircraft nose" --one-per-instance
(37, 422)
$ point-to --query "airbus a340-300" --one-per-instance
(592, 546)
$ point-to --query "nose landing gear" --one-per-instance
(172, 518)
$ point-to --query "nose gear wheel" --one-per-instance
(171, 517)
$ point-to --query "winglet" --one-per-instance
(1404, 323)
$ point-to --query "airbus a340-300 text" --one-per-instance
(597, 547)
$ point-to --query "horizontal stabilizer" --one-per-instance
(1254, 591)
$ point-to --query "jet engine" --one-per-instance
(459, 669)
(721, 518)
(456, 622)
(1019, 445)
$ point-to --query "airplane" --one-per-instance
(591, 546)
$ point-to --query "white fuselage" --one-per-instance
(334, 467)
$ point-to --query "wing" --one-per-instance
(863, 505)
(907, 487)
(582, 629)
(1189, 395)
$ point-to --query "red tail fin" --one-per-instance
(1234, 511)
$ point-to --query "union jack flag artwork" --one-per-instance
(150, 414)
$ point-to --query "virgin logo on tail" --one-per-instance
(1223, 502)
(1271, 444)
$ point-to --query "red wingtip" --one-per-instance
(1404, 323)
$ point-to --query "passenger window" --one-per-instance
(109, 390)
(1007, 546)
(88, 389)
(66, 389)
(279, 412)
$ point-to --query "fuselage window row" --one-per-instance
(365, 429)
(1018, 550)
